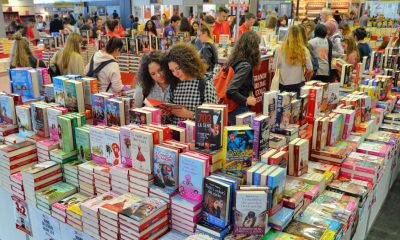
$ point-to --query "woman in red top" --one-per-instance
(112, 28)
(120, 29)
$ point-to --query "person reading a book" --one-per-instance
(22, 55)
(69, 60)
(187, 68)
(350, 48)
(244, 57)
(106, 68)
(151, 78)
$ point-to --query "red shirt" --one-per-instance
(113, 34)
(121, 31)
(243, 29)
(221, 28)
(29, 33)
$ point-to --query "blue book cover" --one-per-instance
(217, 202)
(21, 81)
(113, 112)
(7, 110)
(282, 217)
(99, 109)
(276, 182)
(238, 147)
(191, 177)
(165, 167)
(59, 94)
(257, 174)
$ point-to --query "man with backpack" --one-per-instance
(105, 68)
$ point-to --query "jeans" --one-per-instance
(237, 111)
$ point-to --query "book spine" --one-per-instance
(346, 127)
(297, 169)
(312, 108)
(319, 133)
(48, 183)
(329, 138)
(256, 142)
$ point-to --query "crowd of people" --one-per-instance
(184, 75)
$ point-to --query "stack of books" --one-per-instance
(70, 171)
(281, 219)
(119, 179)
(61, 156)
(147, 218)
(184, 214)
(17, 187)
(139, 182)
(40, 176)
(90, 213)
(102, 180)
(52, 194)
(7, 129)
(59, 209)
(15, 158)
(74, 213)
(86, 177)
(109, 222)
(44, 147)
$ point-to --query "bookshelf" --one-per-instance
(342, 5)
(314, 8)
(302, 8)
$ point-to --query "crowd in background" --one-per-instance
(184, 75)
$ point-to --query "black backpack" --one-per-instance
(95, 72)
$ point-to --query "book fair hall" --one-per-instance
(200, 120)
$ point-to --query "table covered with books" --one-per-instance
(76, 163)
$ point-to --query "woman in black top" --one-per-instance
(150, 28)
(244, 57)
(208, 51)
(22, 55)
(363, 47)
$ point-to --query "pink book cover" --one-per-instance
(94, 204)
(16, 177)
(45, 75)
(202, 157)
(353, 175)
(48, 142)
(156, 114)
(126, 144)
(376, 149)
(361, 166)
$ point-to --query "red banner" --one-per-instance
(261, 83)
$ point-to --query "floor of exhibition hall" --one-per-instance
(387, 225)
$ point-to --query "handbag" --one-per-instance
(277, 77)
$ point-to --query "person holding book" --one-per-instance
(108, 76)
(293, 60)
(151, 78)
(22, 55)
(69, 60)
(150, 28)
(364, 49)
(350, 48)
(244, 57)
(208, 50)
(191, 90)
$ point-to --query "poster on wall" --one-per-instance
(101, 11)
(21, 214)
(147, 12)
(49, 228)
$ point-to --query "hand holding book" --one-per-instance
(166, 107)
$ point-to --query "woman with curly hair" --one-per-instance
(151, 78)
(294, 61)
(244, 57)
(186, 66)
(150, 28)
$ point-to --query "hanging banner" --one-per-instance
(21, 214)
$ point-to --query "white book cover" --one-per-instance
(142, 151)
(24, 120)
(54, 130)
(97, 144)
(113, 146)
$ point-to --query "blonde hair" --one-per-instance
(293, 48)
(21, 52)
(351, 46)
(72, 45)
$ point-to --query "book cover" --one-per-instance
(139, 116)
(99, 109)
(142, 151)
(303, 108)
(191, 177)
(283, 110)
(90, 86)
(40, 121)
(22, 83)
(82, 139)
(281, 218)
(118, 204)
(24, 121)
(306, 230)
(125, 138)
(55, 192)
(166, 168)
(54, 127)
(216, 202)
(295, 108)
(314, 101)
(112, 146)
(74, 97)
(143, 209)
(208, 128)
(333, 95)
(261, 135)
(71, 200)
(58, 85)
(270, 100)
(238, 147)
(92, 205)
(66, 138)
(115, 112)
(245, 118)
(97, 144)
(251, 212)
(7, 110)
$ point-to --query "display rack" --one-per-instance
(343, 6)
(302, 9)
(314, 8)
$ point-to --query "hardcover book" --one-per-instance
(191, 177)
(142, 151)
(238, 147)
(216, 202)
(209, 124)
(166, 162)
(251, 212)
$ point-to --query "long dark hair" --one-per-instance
(185, 25)
(143, 76)
(192, 31)
(153, 29)
(246, 49)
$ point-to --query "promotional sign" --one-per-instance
(22, 221)
(261, 83)
(49, 228)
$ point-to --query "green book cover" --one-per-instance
(66, 133)
(82, 139)
(55, 192)
(74, 100)
(60, 154)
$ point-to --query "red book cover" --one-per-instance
(312, 101)
(319, 131)
(22, 155)
(48, 183)
(48, 175)
(35, 159)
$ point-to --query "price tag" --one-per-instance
(21, 214)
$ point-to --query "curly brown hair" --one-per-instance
(246, 49)
(188, 59)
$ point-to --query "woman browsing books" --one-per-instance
(208, 51)
(22, 55)
(191, 90)
(151, 78)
